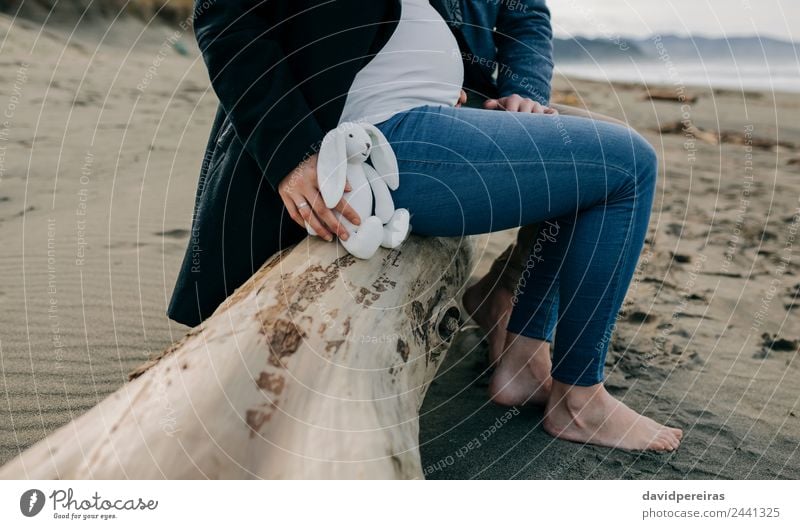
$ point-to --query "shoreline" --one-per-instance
(687, 85)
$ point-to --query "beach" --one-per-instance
(101, 139)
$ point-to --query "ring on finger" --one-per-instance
(302, 205)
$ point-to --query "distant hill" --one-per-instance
(743, 49)
(582, 49)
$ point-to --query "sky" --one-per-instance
(640, 18)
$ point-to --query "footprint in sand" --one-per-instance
(176, 233)
(772, 343)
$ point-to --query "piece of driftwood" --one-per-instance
(668, 94)
(315, 368)
(689, 129)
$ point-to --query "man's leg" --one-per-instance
(489, 301)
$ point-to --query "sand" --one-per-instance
(99, 161)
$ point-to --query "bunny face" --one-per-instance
(358, 144)
(352, 144)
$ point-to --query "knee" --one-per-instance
(639, 161)
(645, 159)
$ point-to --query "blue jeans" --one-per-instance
(465, 171)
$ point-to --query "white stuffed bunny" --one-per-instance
(343, 158)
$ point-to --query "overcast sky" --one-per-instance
(774, 18)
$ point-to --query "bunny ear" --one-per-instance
(332, 168)
(382, 156)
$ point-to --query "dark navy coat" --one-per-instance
(281, 70)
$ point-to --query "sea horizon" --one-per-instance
(743, 76)
(743, 62)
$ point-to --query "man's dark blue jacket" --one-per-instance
(506, 45)
(282, 70)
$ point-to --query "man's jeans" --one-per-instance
(465, 171)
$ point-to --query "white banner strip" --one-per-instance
(388, 505)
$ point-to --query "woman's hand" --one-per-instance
(300, 194)
(462, 98)
(517, 103)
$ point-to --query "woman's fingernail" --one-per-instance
(344, 236)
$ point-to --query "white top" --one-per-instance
(419, 65)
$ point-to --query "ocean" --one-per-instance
(780, 76)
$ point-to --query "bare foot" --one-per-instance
(489, 304)
(591, 415)
(523, 373)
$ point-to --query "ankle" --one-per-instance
(530, 352)
(576, 398)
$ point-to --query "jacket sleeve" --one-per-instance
(524, 39)
(239, 40)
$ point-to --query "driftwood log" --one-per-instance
(315, 368)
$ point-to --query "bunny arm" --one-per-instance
(384, 205)
(360, 198)
(332, 167)
(382, 156)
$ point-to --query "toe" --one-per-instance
(672, 440)
(659, 444)
(666, 440)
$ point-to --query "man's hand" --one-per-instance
(300, 194)
(517, 103)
